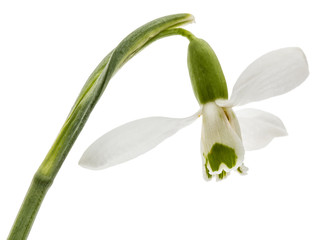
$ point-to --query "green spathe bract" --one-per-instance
(205, 72)
(87, 99)
(221, 154)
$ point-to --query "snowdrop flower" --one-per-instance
(225, 134)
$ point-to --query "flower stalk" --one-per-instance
(80, 112)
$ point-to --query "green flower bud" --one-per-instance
(205, 72)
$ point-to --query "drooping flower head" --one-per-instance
(225, 134)
(221, 144)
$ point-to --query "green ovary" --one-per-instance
(219, 154)
(205, 72)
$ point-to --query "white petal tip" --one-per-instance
(304, 58)
(206, 178)
(259, 128)
(131, 140)
(272, 74)
(284, 133)
(85, 163)
(243, 170)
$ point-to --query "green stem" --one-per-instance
(177, 31)
(29, 208)
(87, 99)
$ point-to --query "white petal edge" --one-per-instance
(272, 74)
(131, 140)
(258, 128)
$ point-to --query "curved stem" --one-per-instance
(177, 31)
(88, 97)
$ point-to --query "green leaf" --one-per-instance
(98, 80)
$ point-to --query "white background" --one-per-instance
(47, 51)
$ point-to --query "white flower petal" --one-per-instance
(131, 140)
(219, 132)
(258, 128)
(272, 74)
(224, 103)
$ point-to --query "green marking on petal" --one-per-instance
(219, 154)
(207, 172)
(222, 175)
